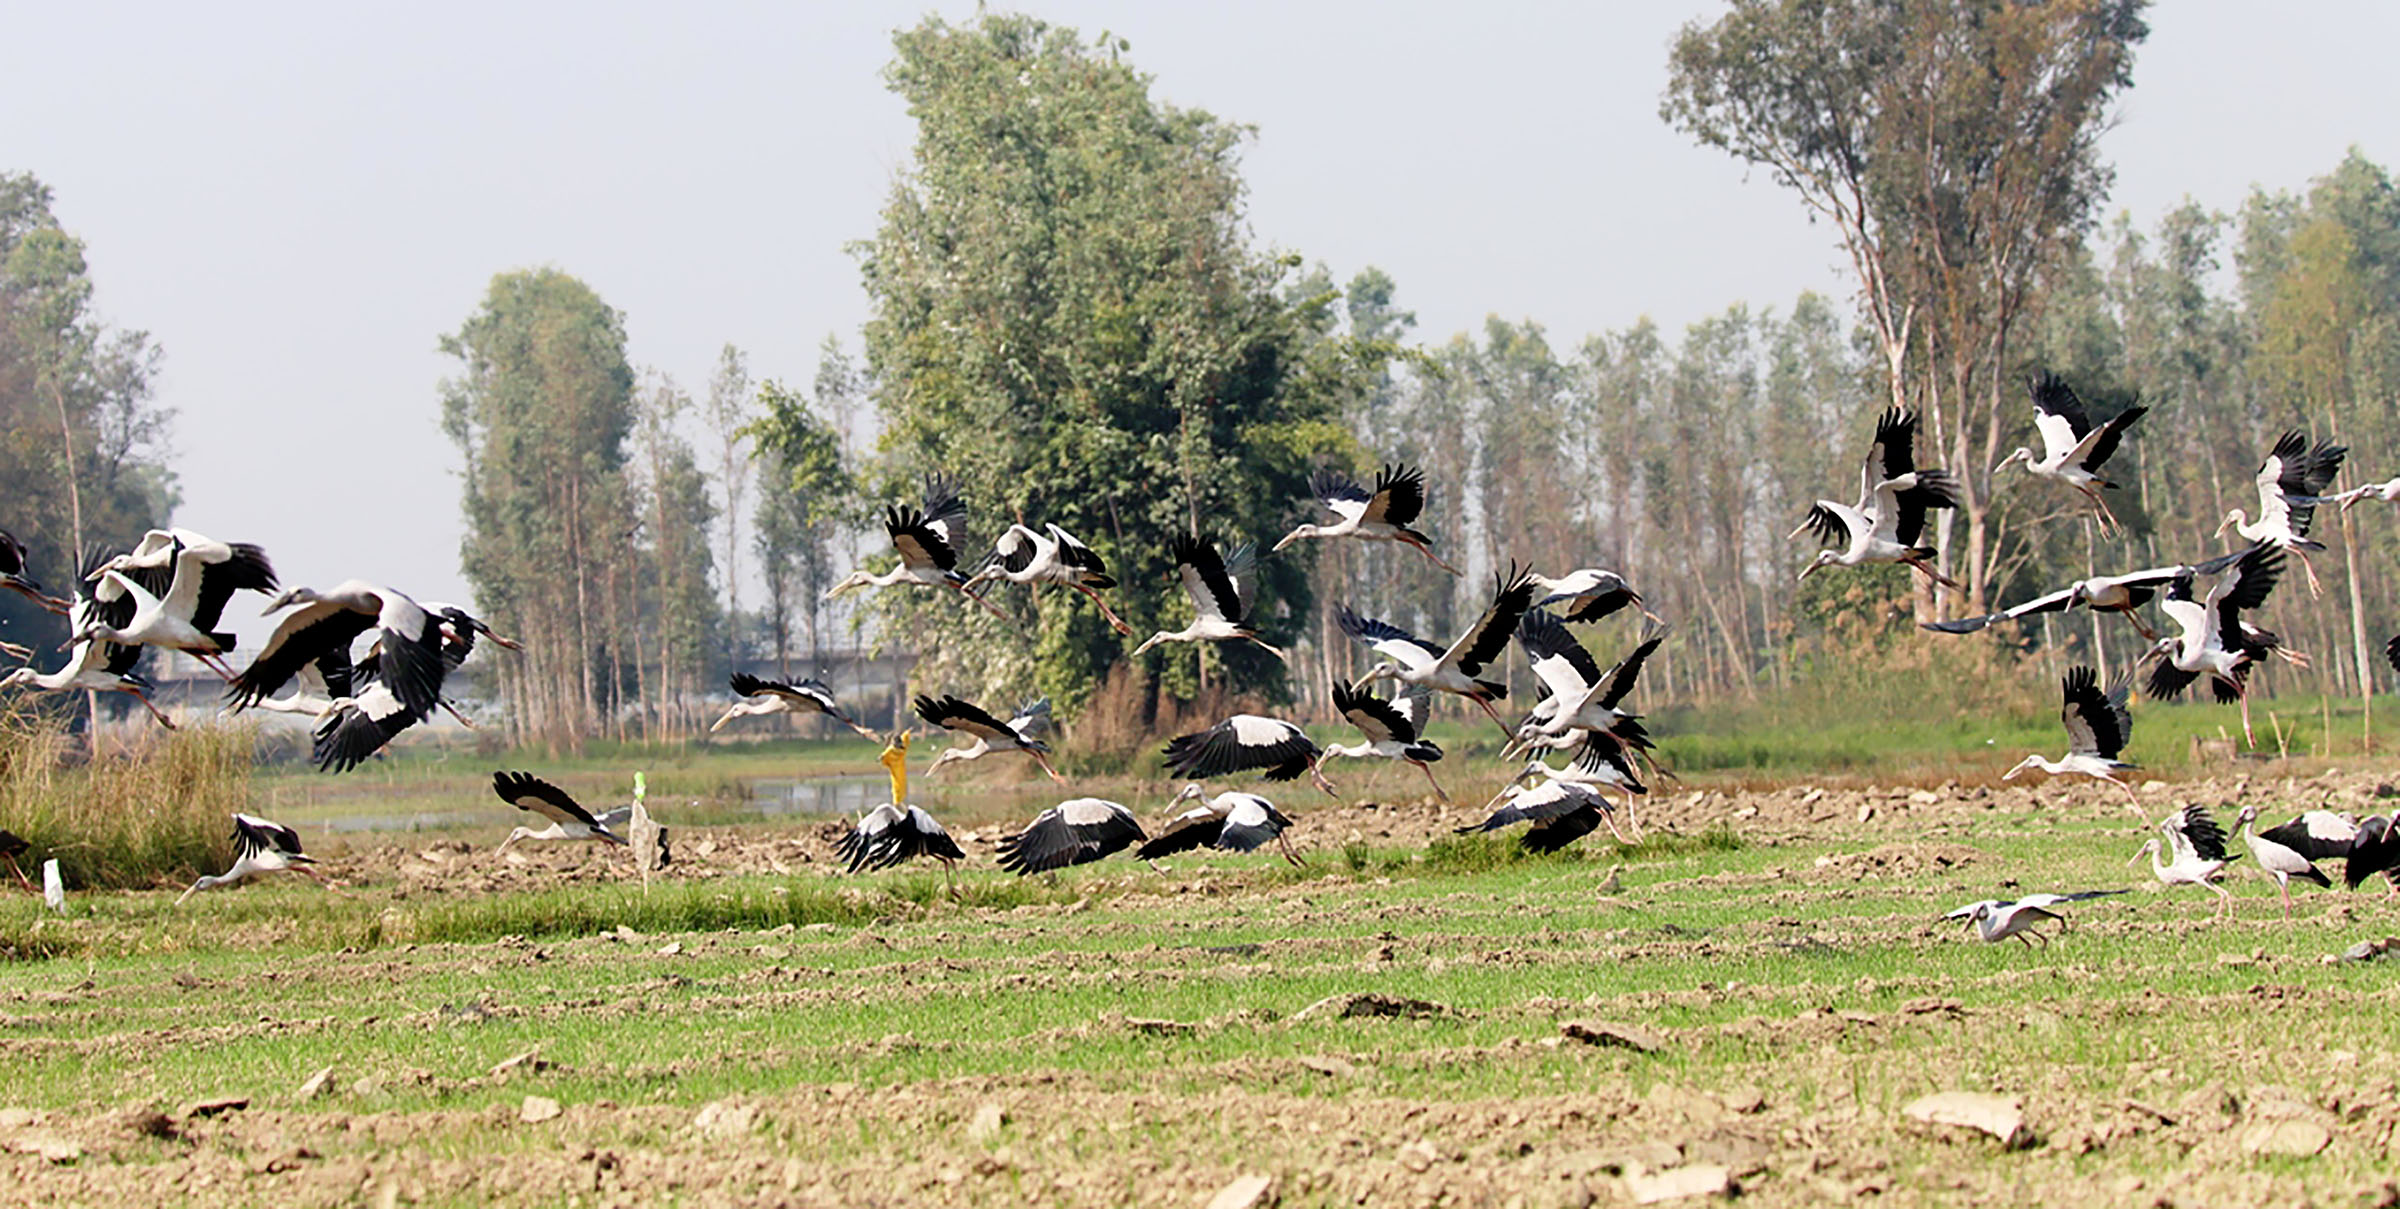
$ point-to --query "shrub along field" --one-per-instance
(1751, 1000)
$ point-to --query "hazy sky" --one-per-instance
(298, 200)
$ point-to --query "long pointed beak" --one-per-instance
(1288, 538)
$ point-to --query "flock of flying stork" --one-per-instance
(171, 590)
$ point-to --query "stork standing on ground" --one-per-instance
(1888, 522)
(927, 540)
(2376, 849)
(1020, 733)
(1381, 515)
(2213, 639)
(179, 582)
(2195, 853)
(1995, 921)
(568, 819)
(1588, 594)
(94, 665)
(259, 847)
(763, 697)
(1392, 729)
(2098, 724)
(1074, 832)
(2288, 483)
(896, 831)
(2121, 594)
(1419, 664)
(1052, 556)
(1228, 822)
(2073, 448)
(1274, 749)
(2284, 851)
(1220, 588)
(12, 576)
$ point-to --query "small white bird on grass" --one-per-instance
(2098, 724)
(568, 819)
(259, 847)
(1074, 832)
(763, 697)
(1228, 822)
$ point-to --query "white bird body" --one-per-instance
(568, 820)
(1221, 587)
(2097, 724)
(927, 540)
(1887, 525)
(259, 847)
(2194, 853)
(1561, 810)
(1020, 733)
(1229, 822)
(2073, 448)
(2387, 491)
(1050, 556)
(2289, 482)
(93, 665)
(1579, 696)
(1393, 729)
(2212, 639)
(1381, 514)
(409, 660)
(1415, 662)
(762, 697)
(2284, 852)
(1587, 594)
(1074, 832)
(1274, 749)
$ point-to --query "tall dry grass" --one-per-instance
(157, 811)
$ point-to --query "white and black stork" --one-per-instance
(2073, 448)
(2195, 853)
(410, 661)
(1381, 515)
(1229, 822)
(1887, 524)
(2121, 594)
(568, 819)
(1051, 556)
(1020, 733)
(1561, 812)
(259, 847)
(12, 577)
(1393, 729)
(927, 539)
(179, 583)
(2213, 639)
(1577, 695)
(1994, 921)
(1221, 589)
(2289, 482)
(1419, 664)
(1274, 749)
(1587, 594)
(1603, 763)
(1074, 832)
(2291, 850)
(95, 665)
(762, 697)
(2098, 725)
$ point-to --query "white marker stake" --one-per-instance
(54, 887)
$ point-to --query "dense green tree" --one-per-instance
(540, 411)
(1067, 318)
(805, 496)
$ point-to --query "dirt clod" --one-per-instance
(1699, 1179)
(1370, 1003)
(2002, 1117)
(1610, 1032)
(538, 1109)
(1247, 1192)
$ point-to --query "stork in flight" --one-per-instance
(2195, 853)
(2387, 491)
(2073, 448)
(1052, 556)
(1228, 822)
(1578, 695)
(1602, 763)
(12, 577)
(408, 639)
(1271, 747)
(1419, 664)
(1381, 515)
(2121, 594)
(1020, 733)
(927, 539)
(1074, 832)
(259, 847)
(2289, 482)
(568, 819)
(1888, 522)
(94, 665)
(1393, 729)
(2213, 639)
(1221, 589)
(1587, 594)
(179, 582)
(2098, 725)
(762, 697)
(1561, 812)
